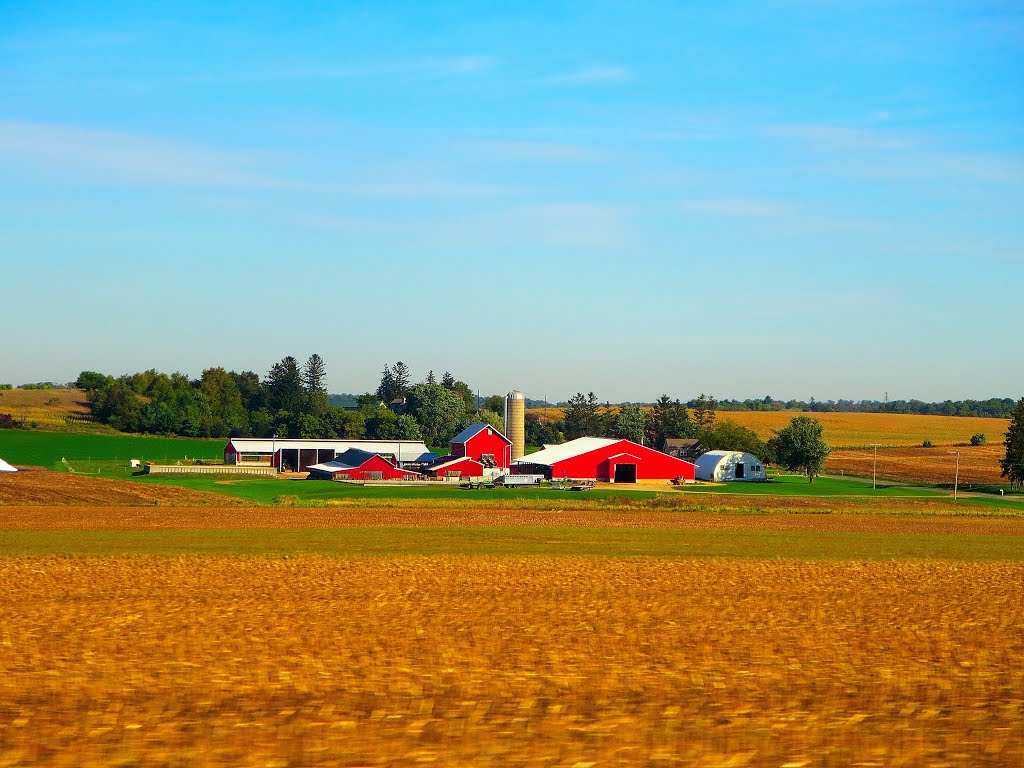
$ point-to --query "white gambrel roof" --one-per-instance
(552, 454)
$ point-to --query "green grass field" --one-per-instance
(511, 541)
(794, 485)
(46, 449)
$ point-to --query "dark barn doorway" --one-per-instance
(740, 471)
(625, 473)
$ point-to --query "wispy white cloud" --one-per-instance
(897, 156)
(611, 74)
(114, 157)
(742, 207)
(539, 151)
(828, 136)
(453, 66)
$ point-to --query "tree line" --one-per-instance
(994, 407)
(290, 401)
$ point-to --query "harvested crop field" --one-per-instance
(48, 408)
(860, 429)
(40, 486)
(978, 464)
(920, 517)
(499, 661)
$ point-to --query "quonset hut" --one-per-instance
(726, 466)
(600, 458)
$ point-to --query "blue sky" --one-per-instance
(801, 198)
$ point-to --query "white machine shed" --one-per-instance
(726, 466)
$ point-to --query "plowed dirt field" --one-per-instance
(509, 661)
(40, 486)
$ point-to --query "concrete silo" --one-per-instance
(515, 422)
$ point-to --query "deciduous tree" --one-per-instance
(800, 446)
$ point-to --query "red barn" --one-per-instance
(485, 444)
(355, 464)
(598, 458)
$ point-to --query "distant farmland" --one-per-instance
(855, 430)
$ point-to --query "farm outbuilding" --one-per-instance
(476, 451)
(726, 466)
(357, 464)
(460, 467)
(300, 455)
(609, 459)
(485, 444)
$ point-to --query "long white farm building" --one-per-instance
(299, 455)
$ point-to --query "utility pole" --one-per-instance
(956, 477)
(874, 463)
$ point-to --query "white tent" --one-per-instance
(5, 467)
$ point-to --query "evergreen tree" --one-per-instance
(447, 381)
(403, 380)
(668, 419)
(386, 389)
(313, 375)
(583, 417)
(431, 378)
(704, 411)
(283, 386)
(629, 423)
(1012, 463)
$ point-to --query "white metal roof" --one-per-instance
(708, 461)
(5, 467)
(403, 450)
(443, 465)
(553, 454)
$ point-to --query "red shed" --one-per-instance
(355, 464)
(598, 458)
(484, 444)
(460, 466)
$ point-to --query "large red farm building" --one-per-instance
(599, 458)
(477, 450)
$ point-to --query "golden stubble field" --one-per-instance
(48, 408)
(509, 661)
(978, 464)
(861, 429)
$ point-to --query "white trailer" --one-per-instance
(518, 481)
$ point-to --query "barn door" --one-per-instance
(740, 469)
(625, 473)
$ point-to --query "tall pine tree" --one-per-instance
(1013, 462)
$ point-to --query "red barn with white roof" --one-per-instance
(599, 458)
